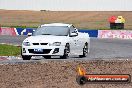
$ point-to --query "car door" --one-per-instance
(73, 41)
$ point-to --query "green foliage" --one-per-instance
(19, 26)
(9, 50)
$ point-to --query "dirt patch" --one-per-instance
(81, 19)
(60, 73)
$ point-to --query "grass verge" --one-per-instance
(9, 50)
(16, 26)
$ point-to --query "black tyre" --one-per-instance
(47, 57)
(81, 80)
(85, 51)
(26, 57)
(66, 52)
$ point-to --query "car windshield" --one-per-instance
(52, 30)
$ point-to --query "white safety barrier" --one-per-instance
(120, 34)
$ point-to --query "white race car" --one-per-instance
(56, 39)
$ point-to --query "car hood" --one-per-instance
(46, 39)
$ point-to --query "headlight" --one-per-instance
(55, 44)
(26, 43)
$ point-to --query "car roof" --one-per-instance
(56, 24)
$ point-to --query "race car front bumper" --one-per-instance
(43, 50)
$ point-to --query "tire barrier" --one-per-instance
(8, 31)
(15, 31)
(120, 34)
(92, 33)
(25, 31)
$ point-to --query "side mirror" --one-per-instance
(29, 34)
(73, 34)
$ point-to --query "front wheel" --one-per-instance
(66, 52)
(26, 57)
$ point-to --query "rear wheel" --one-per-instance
(85, 51)
(66, 52)
(25, 57)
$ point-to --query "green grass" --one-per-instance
(16, 26)
(9, 50)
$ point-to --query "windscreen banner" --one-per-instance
(119, 34)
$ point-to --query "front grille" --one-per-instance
(45, 51)
(43, 43)
(35, 43)
(40, 43)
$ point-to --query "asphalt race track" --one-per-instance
(99, 49)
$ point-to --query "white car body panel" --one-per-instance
(76, 43)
